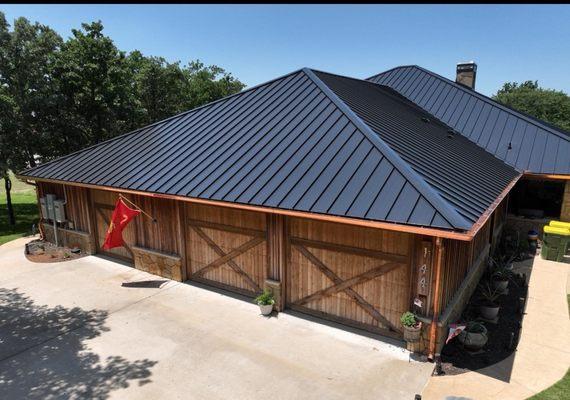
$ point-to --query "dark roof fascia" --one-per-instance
(452, 216)
(488, 100)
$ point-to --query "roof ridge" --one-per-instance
(389, 70)
(557, 131)
(434, 198)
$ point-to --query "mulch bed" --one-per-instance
(503, 336)
(40, 251)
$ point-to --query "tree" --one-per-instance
(159, 87)
(96, 101)
(25, 90)
(549, 105)
(207, 84)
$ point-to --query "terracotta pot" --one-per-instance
(411, 333)
(473, 341)
(266, 309)
(500, 285)
(489, 311)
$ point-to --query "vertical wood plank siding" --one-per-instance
(276, 245)
(77, 207)
(103, 205)
(500, 215)
(163, 235)
(389, 293)
(459, 257)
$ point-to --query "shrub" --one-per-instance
(489, 294)
(408, 319)
(265, 298)
(475, 327)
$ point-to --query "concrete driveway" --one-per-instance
(70, 330)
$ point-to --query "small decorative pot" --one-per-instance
(473, 340)
(412, 333)
(500, 285)
(266, 309)
(489, 312)
(532, 235)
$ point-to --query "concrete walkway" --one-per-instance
(543, 353)
(70, 330)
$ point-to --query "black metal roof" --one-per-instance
(462, 173)
(535, 146)
(293, 144)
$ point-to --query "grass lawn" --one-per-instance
(561, 389)
(25, 208)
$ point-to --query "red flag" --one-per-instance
(122, 214)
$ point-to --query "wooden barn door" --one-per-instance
(226, 248)
(359, 277)
(103, 206)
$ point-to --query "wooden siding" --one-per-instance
(458, 259)
(348, 252)
(77, 207)
(237, 237)
(103, 203)
(162, 235)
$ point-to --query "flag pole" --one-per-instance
(138, 208)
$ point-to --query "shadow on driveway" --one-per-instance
(43, 355)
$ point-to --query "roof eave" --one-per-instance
(462, 235)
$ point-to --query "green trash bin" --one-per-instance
(555, 243)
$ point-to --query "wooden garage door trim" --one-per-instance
(391, 262)
(258, 237)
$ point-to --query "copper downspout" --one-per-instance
(438, 256)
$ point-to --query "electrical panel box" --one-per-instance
(50, 199)
(43, 207)
(59, 210)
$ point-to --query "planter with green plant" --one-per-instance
(502, 271)
(500, 278)
(474, 336)
(265, 301)
(412, 327)
(489, 307)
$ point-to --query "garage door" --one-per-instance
(359, 277)
(226, 248)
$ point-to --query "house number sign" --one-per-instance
(423, 272)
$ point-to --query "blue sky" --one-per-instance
(260, 42)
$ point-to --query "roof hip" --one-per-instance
(448, 212)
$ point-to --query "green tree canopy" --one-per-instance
(26, 89)
(549, 105)
(58, 96)
(96, 100)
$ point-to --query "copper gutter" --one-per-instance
(547, 176)
(419, 230)
(301, 214)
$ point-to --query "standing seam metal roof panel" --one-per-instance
(322, 158)
(483, 120)
(465, 175)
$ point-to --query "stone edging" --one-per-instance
(173, 257)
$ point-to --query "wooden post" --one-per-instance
(92, 221)
(181, 215)
(438, 260)
(276, 257)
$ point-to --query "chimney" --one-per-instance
(466, 74)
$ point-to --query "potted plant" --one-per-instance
(412, 327)
(265, 301)
(489, 308)
(500, 279)
(474, 336)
